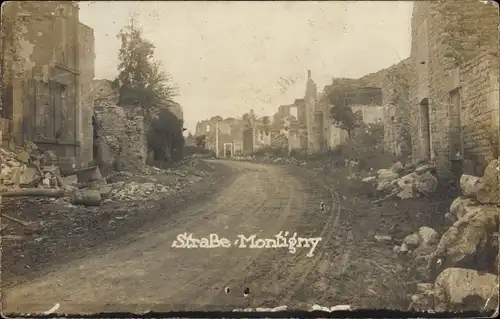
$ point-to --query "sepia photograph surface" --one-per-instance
(161, 156)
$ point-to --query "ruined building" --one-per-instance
(290, 122)
(119, 132)
(372, 97)
(47, 67)
(454, 94)
(313, 117)
(230, 140)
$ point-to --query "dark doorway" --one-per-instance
(425, 128)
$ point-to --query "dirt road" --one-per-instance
(149, 274)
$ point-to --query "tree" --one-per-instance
(165, 137)
(201, 141)
(341, 113)
(140, 79)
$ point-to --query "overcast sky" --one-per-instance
(229, 57)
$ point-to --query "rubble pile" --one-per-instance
(139, 191)
(161, 182)
(29, 168)
(463, 263)
(274, 160)
(404, 181)
(32, 172)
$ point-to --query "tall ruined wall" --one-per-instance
(396, 115)
(86, 109)
(480, 110)
(313, 139)
(387, 87)
(445, 35)
(119, 132)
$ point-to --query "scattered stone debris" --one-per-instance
(140, 191)
(458, 289)
(463, 261)
(275, 160)
(383, 238)
(404, 181)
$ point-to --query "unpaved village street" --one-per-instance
(247, 157)
(141, 271)
(148, 273)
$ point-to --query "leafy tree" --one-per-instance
(140, 79)
(165, 137)
(341, 113)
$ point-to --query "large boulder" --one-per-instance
(468, 243)
(469, 185)
(86, 198)
(386, 180)
(397, 167)
(458, 289)
(407, 192)
(426, 184)
(427, 241)
(29, 176)
(463, 205)
(486, 189)
(412, 241)
(489, 188)
(408, 180)
(427, 236)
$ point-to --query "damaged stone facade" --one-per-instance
(374, 97)
(231, 131)
(86, 109)
(43, 80)
(454, 90)
(396, 109)
(120, 139)
(314, 120)
(479, 101)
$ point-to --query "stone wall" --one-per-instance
(86, 109)
(313, 139)
(120, 134)
(396, 114)
(388, 88)
(479, 117)
(445, 35)
(44, 76)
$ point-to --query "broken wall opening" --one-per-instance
(228, 150)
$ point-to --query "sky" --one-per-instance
(229, 57)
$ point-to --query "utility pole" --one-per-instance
(217, 139)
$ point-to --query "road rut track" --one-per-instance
(329, 229)
(162, 278)
(211, 276)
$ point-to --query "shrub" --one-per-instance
(366, 147)
(271, 152)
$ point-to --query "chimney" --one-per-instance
(308, 74)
